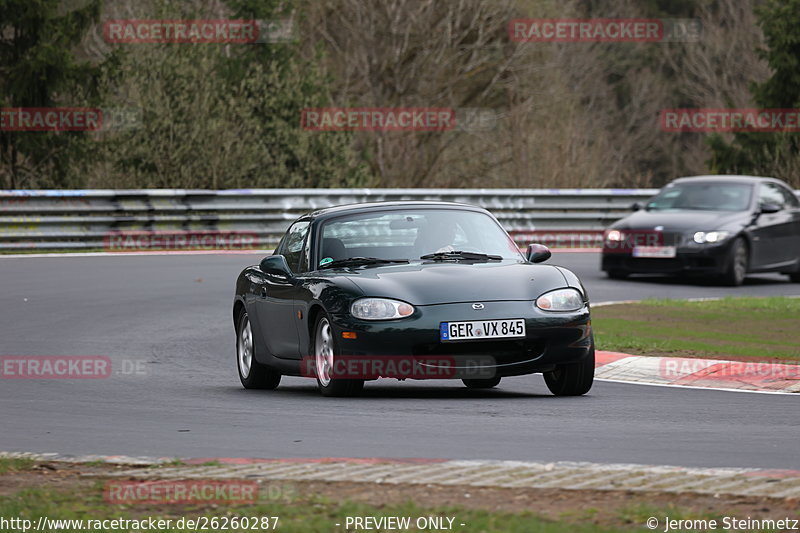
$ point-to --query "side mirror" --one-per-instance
(538, 253)
(637, 206)
(770, 208)
(276, 265)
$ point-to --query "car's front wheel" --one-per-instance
(736, 267)
(573, 379)
(252, 374)
(325, 354)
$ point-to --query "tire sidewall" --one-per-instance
(240, 327)
(731, 277)
(260, 376)
(336, 387)
(575, 379)
(320, 317)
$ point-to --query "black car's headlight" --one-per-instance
(560, 300)
(613, 235)
(380, 309)
(710, 237)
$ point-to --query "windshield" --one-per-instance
(412, 233)
(706, 196)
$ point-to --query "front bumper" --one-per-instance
(551, 339)
(702, 259)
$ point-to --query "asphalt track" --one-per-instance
(170, 315)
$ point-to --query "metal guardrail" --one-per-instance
(96, 219)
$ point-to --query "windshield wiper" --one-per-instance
(458, 254)
(359, 261)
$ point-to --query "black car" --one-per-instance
(720, 226)
(417, 290)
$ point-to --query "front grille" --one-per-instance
(503, 352)
(640, 264)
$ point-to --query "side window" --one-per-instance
(771, 194)
(305, 256)
(790, 198)
(293, 243)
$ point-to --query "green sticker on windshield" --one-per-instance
(326, 261)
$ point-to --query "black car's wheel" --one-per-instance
(795, 276)
(618, 274)
(252, 374)
(737, 263)
(481, 383)
(572, 380)
(325, 353)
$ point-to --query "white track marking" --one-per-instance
(722, 389)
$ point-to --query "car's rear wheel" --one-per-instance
(325, 353)
(736, 267)
(572, 380)
(481, 383)
(252, 374)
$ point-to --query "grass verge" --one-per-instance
(66, 492)
(731, 328)
(15, 465)
(313, 515)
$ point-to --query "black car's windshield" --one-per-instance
(412, 233)
(705, 196)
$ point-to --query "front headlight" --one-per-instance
(614, 235)
(560, 300)
(380, 309)
(701, 237)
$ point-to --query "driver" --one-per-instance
(438, 236)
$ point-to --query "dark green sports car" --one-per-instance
(409, 290)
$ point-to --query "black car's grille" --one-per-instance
(654, 265)
(502, 352)
(674, 239)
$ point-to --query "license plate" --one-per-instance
(482, 329)
(667, 252)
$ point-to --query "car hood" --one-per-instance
(680, 221)
(448, 282)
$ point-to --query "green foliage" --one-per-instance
(217, 116)
(39, 69)
(769, 153)
(228, 115)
